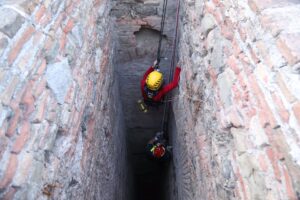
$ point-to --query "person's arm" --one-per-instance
(170, 86)
(143, 81)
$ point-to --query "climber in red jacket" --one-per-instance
(152, 87)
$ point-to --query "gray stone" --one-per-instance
(257, 186)
(240, 138)
(58, 76)
(10, 22)
(49, 143)
(5, 112)
(244, 160)
(227, 170)
(23, 169)
(147, 10)
(257, 133)
(77, 33)
(225, 82)
(207, 24)
(3, 43)
(296, 68)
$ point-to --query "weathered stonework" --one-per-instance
(237, 129)
(59, 116)
(68, 70)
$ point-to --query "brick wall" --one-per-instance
(237, 111)
(59, 119)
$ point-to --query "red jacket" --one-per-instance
(161, 92)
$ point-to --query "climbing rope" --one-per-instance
(166, 115)
(162, 25)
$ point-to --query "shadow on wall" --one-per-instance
(147, 41)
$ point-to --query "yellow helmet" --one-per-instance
(154, 80)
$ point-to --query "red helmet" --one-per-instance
(159, 151)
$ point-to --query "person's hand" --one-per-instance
(154, 64)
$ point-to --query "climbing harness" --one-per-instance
(162, 24)
(166, 112)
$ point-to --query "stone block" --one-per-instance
(3, 145)
(3, 44)
(50, 140)
(5, 113)
(259, 5)
(296, 110)
(9, 90)
(257, 134)
(207, 24)
(257, 186)
(281, 20)
(11, 21)
(18, 45)
(21, 138)
(289, 45)
(59, 79)
(23, 169)
(247, 167)
(240, 138)
(9, 172)
(225, 81)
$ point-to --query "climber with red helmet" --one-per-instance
(157, 149)
(152, 87)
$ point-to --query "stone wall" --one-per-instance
(61, 132)
(238, 106)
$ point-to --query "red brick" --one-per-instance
(226, 29)
(216, 2)
(265, 113)
(236, 47)
(10, 194)
(259, 5)
(284, 114)
(39, 14)
(262, 163)
(9, 172)
(69, 26)
(233, 64)
(296, 110)
(42, 67)
(253, 55)
(39, 87)
(284, 89)
(19, 44)
(241, 181)
(243, 33)
(213, 75)
(58, 21)
(70, 95)
(46, 19)
(22, 138)
(62, 42)
(219, 17)
(69, 8)
(289, 185)
(273, 157)
(289, 46)
(254, 5)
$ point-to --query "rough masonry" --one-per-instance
(237, 111)
(62, 132)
